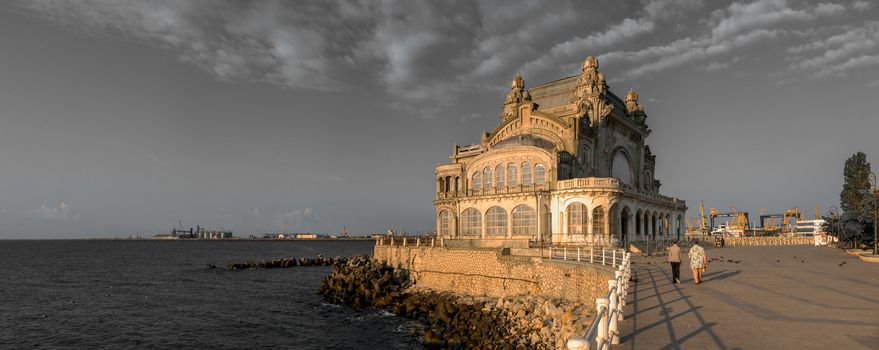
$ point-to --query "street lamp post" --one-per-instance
(875, 191)
(834, 211)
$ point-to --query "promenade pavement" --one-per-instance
(785, 297)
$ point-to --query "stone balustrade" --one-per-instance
(762, 241)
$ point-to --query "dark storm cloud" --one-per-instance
(300, 112)
(421, 50)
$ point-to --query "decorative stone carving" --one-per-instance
(589, 94)
(635, 110)
(516, 95)
(632, 104)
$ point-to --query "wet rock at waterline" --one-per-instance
(452, 321)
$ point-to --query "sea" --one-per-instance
(93, 294)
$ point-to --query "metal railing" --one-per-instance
(604, 330)
(592, 255)
(411, 241)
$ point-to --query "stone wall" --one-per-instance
(490, 273)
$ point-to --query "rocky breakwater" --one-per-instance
(288, 262)
(452, 321)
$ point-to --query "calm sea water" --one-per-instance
(146, 294)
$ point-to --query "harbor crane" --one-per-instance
(793, 213)
(702, 227)
(741, 218)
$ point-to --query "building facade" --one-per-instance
(567, 163)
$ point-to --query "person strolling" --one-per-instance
(674, 258)
(698, 260)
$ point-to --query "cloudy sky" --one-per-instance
(123, 117)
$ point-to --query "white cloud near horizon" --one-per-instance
(62, 211)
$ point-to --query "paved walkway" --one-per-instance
(792, 297)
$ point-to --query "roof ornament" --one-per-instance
(589, 93)
(516, 95)
(632, 104)
(634, 109)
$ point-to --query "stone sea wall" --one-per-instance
(453, 321)
(491, 273)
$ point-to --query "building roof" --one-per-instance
(525, 140)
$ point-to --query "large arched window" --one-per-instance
(443, 221)
(539, 174)
(621, 168)
(512, 175)
(499, 176)
(476, 180)
(598, 221)
(486, 178)
(526, 173)
(496, 221)
(471, 222)
(577, 218)
(524, 220)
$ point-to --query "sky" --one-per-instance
(120, 118)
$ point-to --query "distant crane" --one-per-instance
(741, 218)
(702, 216)
(793, 213)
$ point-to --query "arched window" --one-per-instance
(526, 173)
(524, 220)
(496, 221)
(539, 174)
(499, 176)
(476, 180)
(621, 168)
(486, 178)
(598, 221)
(512, 175)
(448, 183)
(443, 221)
(576, 218)
(471, 222)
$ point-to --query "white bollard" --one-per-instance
(591, 254)
(418, 242)
(619, 294)
(602, 256)
(612, 329)
(601, 335)
(565, 257)
(577, 343)
(578, 254)
(431, 242)
(404, 241)
(614, 258)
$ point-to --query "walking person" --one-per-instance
(674, 258)
(698, 260)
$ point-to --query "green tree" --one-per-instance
(854, 195)
(856, 201)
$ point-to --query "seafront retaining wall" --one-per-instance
(491, 273)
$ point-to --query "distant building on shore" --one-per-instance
(568, 162)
